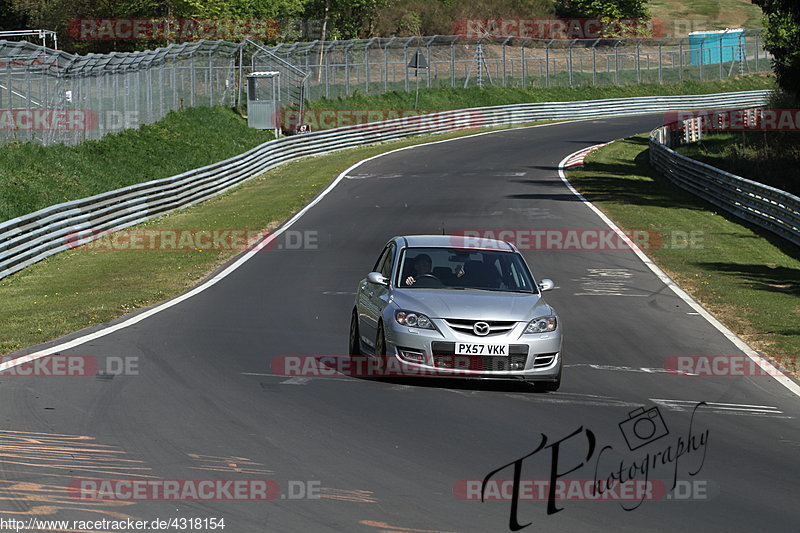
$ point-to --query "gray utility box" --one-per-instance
(263, 97)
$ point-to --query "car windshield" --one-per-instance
(460, 268)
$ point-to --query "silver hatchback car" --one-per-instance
(457, 306)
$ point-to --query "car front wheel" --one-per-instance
(355, 339)
(380, 341)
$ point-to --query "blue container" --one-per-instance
(709, 47)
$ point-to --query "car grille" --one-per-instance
(496, 327)
(444, 357)
(543, 359)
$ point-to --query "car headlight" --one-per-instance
(413, 320)
(542, 324)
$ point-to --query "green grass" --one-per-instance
(87, 286)
(33, 177)
(445, 98)
(771, 158)
(745, 276)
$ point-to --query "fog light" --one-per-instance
(412, 356)
(517, 366)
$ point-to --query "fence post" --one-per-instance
(660, 63)
(210, 78)
(756, 47)
(452, 65)
(638, 63)
(547, 64)
(428, 70)
(192, 75)
(504, 62)
(702, 58)
(569, 63)
(405, 63)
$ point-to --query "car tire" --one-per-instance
(355, 338)
(380, 342)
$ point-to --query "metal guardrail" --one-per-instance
(767, 207)
(35, 236)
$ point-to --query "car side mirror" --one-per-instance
(376, 278)
(546, 285)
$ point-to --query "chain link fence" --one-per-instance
(378, 65)
(48, 96)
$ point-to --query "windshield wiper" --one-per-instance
(488, 290)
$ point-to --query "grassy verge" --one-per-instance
(33, 177)
(87, 286)
(474, 97)
(771, 158)
(746, 277)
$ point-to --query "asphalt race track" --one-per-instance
(394, 455)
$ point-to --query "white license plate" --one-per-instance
(468, 348)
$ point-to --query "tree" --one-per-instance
(620, 18)
(602, 8)
(782, 21)
(346, 19)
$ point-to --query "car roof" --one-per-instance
(454, 241)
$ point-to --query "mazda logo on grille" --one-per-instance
(481, 328)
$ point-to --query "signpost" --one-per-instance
(417, 62)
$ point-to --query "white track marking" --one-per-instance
(691, 403)
(296, 381)
(210, 282)
(723, 408)
(644, 370)
(683, 295)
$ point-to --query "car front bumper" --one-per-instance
(534, 357)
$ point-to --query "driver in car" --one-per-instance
(422, 266)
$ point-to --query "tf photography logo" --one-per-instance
(626, 474)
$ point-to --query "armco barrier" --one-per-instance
(35, 236)
(768, 207)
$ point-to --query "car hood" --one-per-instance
(472, 304)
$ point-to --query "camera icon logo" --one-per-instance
(643, 427)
